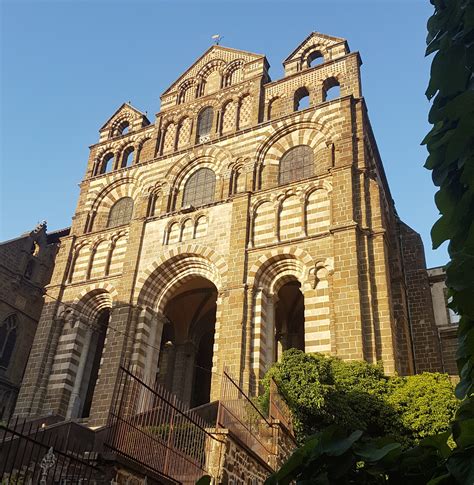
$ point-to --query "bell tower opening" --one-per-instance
(289, 318)
(185, 364)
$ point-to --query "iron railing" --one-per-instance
(244, 420)
(151, 426)
(278, 409)
(31, 453)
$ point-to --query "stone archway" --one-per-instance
(289, 318)
(85, 327)
(185, 364)
(181, 307)
(290, 306)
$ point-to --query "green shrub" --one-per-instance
(323, 391)
(424, 404)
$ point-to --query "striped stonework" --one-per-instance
(323, 225)
(290, 222)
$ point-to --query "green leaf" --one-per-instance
(463, 433)
(372, 453)
(204, 480)
(438, 442)
(292, 467)
(440, 232)
(334, 441)
(461, 466)
(442, 479)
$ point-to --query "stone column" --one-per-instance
(184, 371)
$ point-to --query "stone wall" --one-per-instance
(446, 320)
(26, 266)
(235, 464)
(427, 350)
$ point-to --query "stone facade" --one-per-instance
(26, 265)
(252, 216)
(446, 320)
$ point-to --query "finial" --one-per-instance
(217, 38)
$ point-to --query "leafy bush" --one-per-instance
(324, 391)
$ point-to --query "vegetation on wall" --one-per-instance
(338, 456)
(323, 391)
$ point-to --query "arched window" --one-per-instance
(200, 188)
(301, 99)
(331, 89)
(127, 158)
(296, 164)
(121, 212)
(107, 163)
(123, 128)
(315, 58)
(8, 330)
(204, 124)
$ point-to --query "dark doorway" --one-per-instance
(186, 361)
(289, 318)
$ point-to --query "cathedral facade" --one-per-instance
(251, 217)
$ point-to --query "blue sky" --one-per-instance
(67, 65)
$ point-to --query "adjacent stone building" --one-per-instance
(446, 320)
(250, 217)
(26, 265)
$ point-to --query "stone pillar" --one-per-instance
(183, 377)
(124, 319)
(166, 365)
(32, 395)
(317, 312)
(345, 281)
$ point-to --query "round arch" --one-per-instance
(276, 267)
(175, 267)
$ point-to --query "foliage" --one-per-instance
(424, 404)
(450, 144)
(323, 390)
(334, 457)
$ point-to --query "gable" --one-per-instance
(314, 39)
(327, 46)
(215, 57)
(124, 114)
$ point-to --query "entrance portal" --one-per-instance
(289, 318)
(185, 365)
(89, 365)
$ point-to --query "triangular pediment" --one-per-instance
(128, 112)
(215, 53)
(315, 39)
